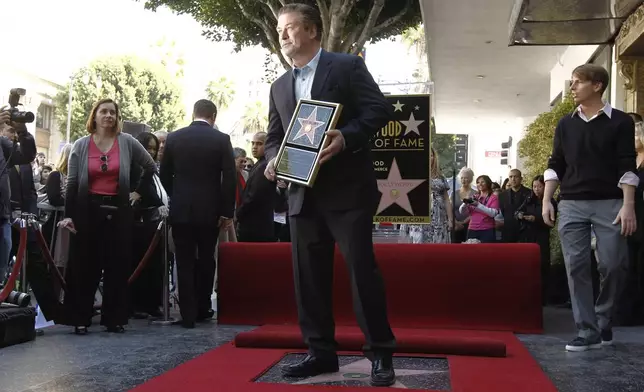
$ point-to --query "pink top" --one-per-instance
(478, 219)
(103, 169)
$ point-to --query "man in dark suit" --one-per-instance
(198, 172)
(255, 213)
(510, 201)
(340, 206)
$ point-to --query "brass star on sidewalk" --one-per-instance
(361, 371)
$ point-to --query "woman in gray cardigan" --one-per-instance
(98, 211)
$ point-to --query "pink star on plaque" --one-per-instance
(308, 126)
(394, 190)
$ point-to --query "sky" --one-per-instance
(59, 36)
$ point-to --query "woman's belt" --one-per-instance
(104, 200)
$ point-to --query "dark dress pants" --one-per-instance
(102, 247)
(195, 256)
(314, 234)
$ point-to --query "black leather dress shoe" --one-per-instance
(311, 366)
(207, 315)
(382, 372)
(185, 323)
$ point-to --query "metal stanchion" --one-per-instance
(166, 320)
(23, 269)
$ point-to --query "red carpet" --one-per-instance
(493, 287)
(410, 341)
(232, 369)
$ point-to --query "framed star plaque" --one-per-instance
(401, 160)
(298, 158)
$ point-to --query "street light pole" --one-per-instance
(69, 109)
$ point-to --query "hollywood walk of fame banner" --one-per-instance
(401, 158)
(298, 158)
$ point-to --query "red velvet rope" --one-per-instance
(147, 255)
(50, 260)
(11, 283)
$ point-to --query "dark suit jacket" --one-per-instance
(23, 190)
(13, 154)
(348, 180)
(198, 172)
(509, 202)
(255, 214)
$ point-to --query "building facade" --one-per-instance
(39, 100)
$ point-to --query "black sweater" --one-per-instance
(591, 157)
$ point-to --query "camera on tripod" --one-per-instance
(18, 116)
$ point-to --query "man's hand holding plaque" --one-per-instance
(309, 141)
(335, 146)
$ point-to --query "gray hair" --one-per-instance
(310, 16)
(239, 152)
(161, 133)
(466, 171)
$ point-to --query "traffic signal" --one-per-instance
(505, 152)
(504, 155)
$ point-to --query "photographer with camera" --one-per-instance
(532, 229)
(18, 150)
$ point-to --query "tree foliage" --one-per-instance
(221, 92)
(536, 145)
(444, 145)
(348, 24)
(169, 55)
(144, 92)
(255, 118)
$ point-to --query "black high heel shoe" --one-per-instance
(116, 329)
(80, 330)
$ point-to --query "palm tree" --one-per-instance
(255, 118)
(221, 92)
(414, 38)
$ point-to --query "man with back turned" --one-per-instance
(340, 206)
(198, 172)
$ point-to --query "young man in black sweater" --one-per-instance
(593, 157)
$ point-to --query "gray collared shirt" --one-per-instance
(304, 78)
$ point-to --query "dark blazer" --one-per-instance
(23, 190)
(255, 214)
(198, 172)
(13, 154)
(348, 180)
(509, 203)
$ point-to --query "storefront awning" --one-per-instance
(568, 22)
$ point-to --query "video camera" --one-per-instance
(520, 212)
(18, 116)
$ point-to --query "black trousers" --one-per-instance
(283, 232)
(101, 247)
(195, 255)
(314, 235)
(146, 292)
(244, 235)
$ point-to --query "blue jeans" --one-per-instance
(485, 236)
(5, 247)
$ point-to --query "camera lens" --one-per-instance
(22, 117)
(17, 298)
